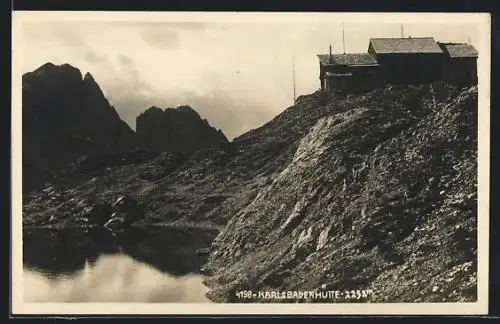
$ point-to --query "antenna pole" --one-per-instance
(293, 72)
(343, 38)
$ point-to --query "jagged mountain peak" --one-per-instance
(177, 129)
(50, 70)
(66, 116)
(88, 77)
(152, 110)
(46, 66)
(184, 108)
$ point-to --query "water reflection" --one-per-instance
(138, 265)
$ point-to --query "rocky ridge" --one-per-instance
(65, 116)
(178, 129)
(69, 124)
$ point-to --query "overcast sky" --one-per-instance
(238, 75)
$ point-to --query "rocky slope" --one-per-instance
(65, 116)
(177, 130)
(380, 194)
(374, 191)
(67, 119)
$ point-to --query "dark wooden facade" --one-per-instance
(348, 72)
(409, 68)
(461, 71)
(352, 80)
(460, 66)
(399, 61)
(407, 60)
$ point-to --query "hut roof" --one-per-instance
(348, 59)
(459, 50)
(405, 45)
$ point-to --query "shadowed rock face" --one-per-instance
(66, 116)
(177, 130)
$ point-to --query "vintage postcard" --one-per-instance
(250, 163)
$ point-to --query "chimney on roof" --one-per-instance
(330, 56)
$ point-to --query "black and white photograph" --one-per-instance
(248, 163)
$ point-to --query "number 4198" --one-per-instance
(244, 294)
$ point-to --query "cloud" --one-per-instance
(237, 75)
(168, 35)
(69, 37)
(128, 70)
(177, 26)
(227, 112)
(161, 39)
(95, 58)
